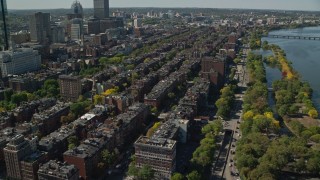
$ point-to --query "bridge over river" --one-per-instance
(293, 37)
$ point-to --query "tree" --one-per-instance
(296, 127)
(177, 176)
(77, 109)
(146, 173)
(194, 175)
(153, 129)
(300, 165)
(213, 128)
(133, 170)
(130, 67)
(147, 60)
(262, 123)
(263, 171)
(154, 110)
(313, 113)
(313, 164)
(71, 146)
(18, 98)
(306, 134)
(203, 155)
(171, 95)
(51, 87)
(314, 129)
(81, 98)
(111, 91)
(265, 45)
(223, 107)
(7, 95)
(293, 109)
(315, 138)
(237, 60)
(247, 160)
(73, 142)
(97, 99)
(283, 110)
(248, 115)
(108, 157)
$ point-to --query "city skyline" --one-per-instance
(309, 5)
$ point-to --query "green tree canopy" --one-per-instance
(146, 173)
(194, 175)
(177, 176)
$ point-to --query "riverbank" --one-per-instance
(263, 152)
(291, 26)
(303, 55)
(293, 96)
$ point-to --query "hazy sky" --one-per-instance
(247, 4)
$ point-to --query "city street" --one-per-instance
(225, 167)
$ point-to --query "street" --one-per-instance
(224, 166)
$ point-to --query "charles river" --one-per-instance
(304, 55)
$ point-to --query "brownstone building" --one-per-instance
(85, 157)
(54, 170)
(213, 69)
(30, 165)
(49, 120)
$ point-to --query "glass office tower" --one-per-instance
(101, 9)
(4, 34)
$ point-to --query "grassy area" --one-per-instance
(306, 121)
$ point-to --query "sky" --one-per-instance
(310, 5)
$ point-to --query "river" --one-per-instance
(304, 55)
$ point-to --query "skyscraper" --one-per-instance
(4, 34)
(101, 8)
(40, 29)
(77, 10)
(76, 29)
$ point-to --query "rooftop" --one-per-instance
(58, 169)
(160, 142)
(83, 151)
(34, 156)
(45, 115)
(167, 130)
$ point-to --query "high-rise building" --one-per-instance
(158, 153)
(19, 61)
(101, 8)
(213, 69)
(70, 87)
(57, 34)
(16, 150)
(40, 28)
(77, 10)
(110, 23)
(76, 29)
(137, 23)
(4, 34)
(94, 26)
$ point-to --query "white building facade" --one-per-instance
(19, 61)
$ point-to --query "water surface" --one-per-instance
(304, 55)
